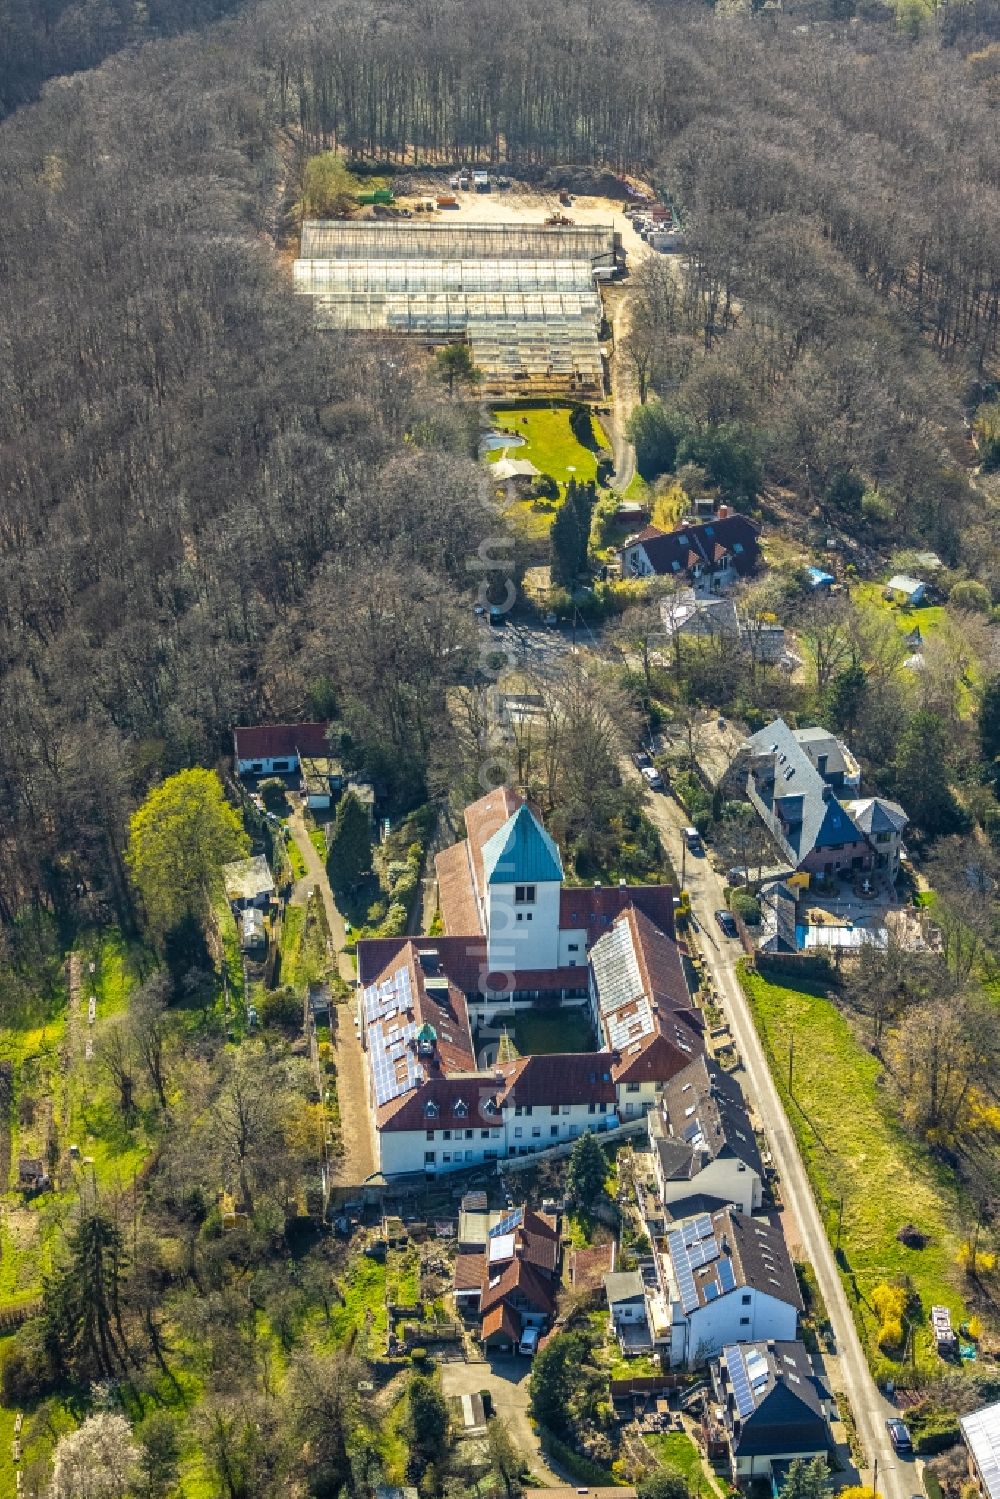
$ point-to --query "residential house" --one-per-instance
(515, 936)
(797, 780)
(642, 1009)
(277, 748)
(726, 1278)
(883, 823)
(519, 1278)
(771, 1409)
(710, 556)
(831, 758)
(693, 616)
(626, 1293)
(981, 1431)
(248, 882)
(321, 779)
(906, 590)
(799, 805)
(703, 1142)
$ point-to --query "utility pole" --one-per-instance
(791, 1062)
(875, 1476)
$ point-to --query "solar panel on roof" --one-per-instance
(740, 1383)
(508, 1224)
(727, 1276)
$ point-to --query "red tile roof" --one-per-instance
(583, 1077)
(463, 959)
(707, 542)
(279, 741)
(519, 1279)
(485, 817)
(456, 893)
(502, 1320)
(409, 1111)
(469, 1272)
(660, 966)
(594, 908)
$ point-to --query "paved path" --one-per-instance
(624, 397)
(507, 1381)
(897, 1477)
(358, 1160)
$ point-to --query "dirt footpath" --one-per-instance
(358, 1160)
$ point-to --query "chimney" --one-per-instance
(622, 884)
(723, 512)
(597, 884)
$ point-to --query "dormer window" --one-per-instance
(461, 1109)
(431, 1109)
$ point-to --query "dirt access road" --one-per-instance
(898, 1477)
(507, 1381)
(358, 1160)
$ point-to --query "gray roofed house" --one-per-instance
(981, 1431)
(772, 1408)
(728, 1278)
(703, 1141)
(830, 756)
(248, 882)
(883, 823)
(799, 806)
(626, 1293)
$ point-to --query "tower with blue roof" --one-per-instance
(523, 875)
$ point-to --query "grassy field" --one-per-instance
(930, 617)
(855, 1151)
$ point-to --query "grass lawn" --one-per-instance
(930, 617)
(675, 1449)
(551, 445)
(539, 1031)
(854, 1149)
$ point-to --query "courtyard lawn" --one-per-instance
(856, 1152)
(542, 1031)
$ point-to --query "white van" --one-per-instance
(529, 1341)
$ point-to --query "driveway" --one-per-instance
(357, 1162)
(507, 1381)
(898, 1477)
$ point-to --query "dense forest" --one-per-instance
(194, 486)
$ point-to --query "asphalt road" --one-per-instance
(897, 1478)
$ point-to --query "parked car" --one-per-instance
(652, 777)
(640, 759)
(726, 922)
(550, 618)
(692, 838)
(738, 875)
(899, 1434)
(479, 610)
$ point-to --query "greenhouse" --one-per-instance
(524, 295)
(320, 277)
(448, 314)
(394, 239)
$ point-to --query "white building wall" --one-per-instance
(541, 1128)
(635, 1100)
(729, 1320)
(401, 1152)
(280, 765)
(572, 947)
(522, 935)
